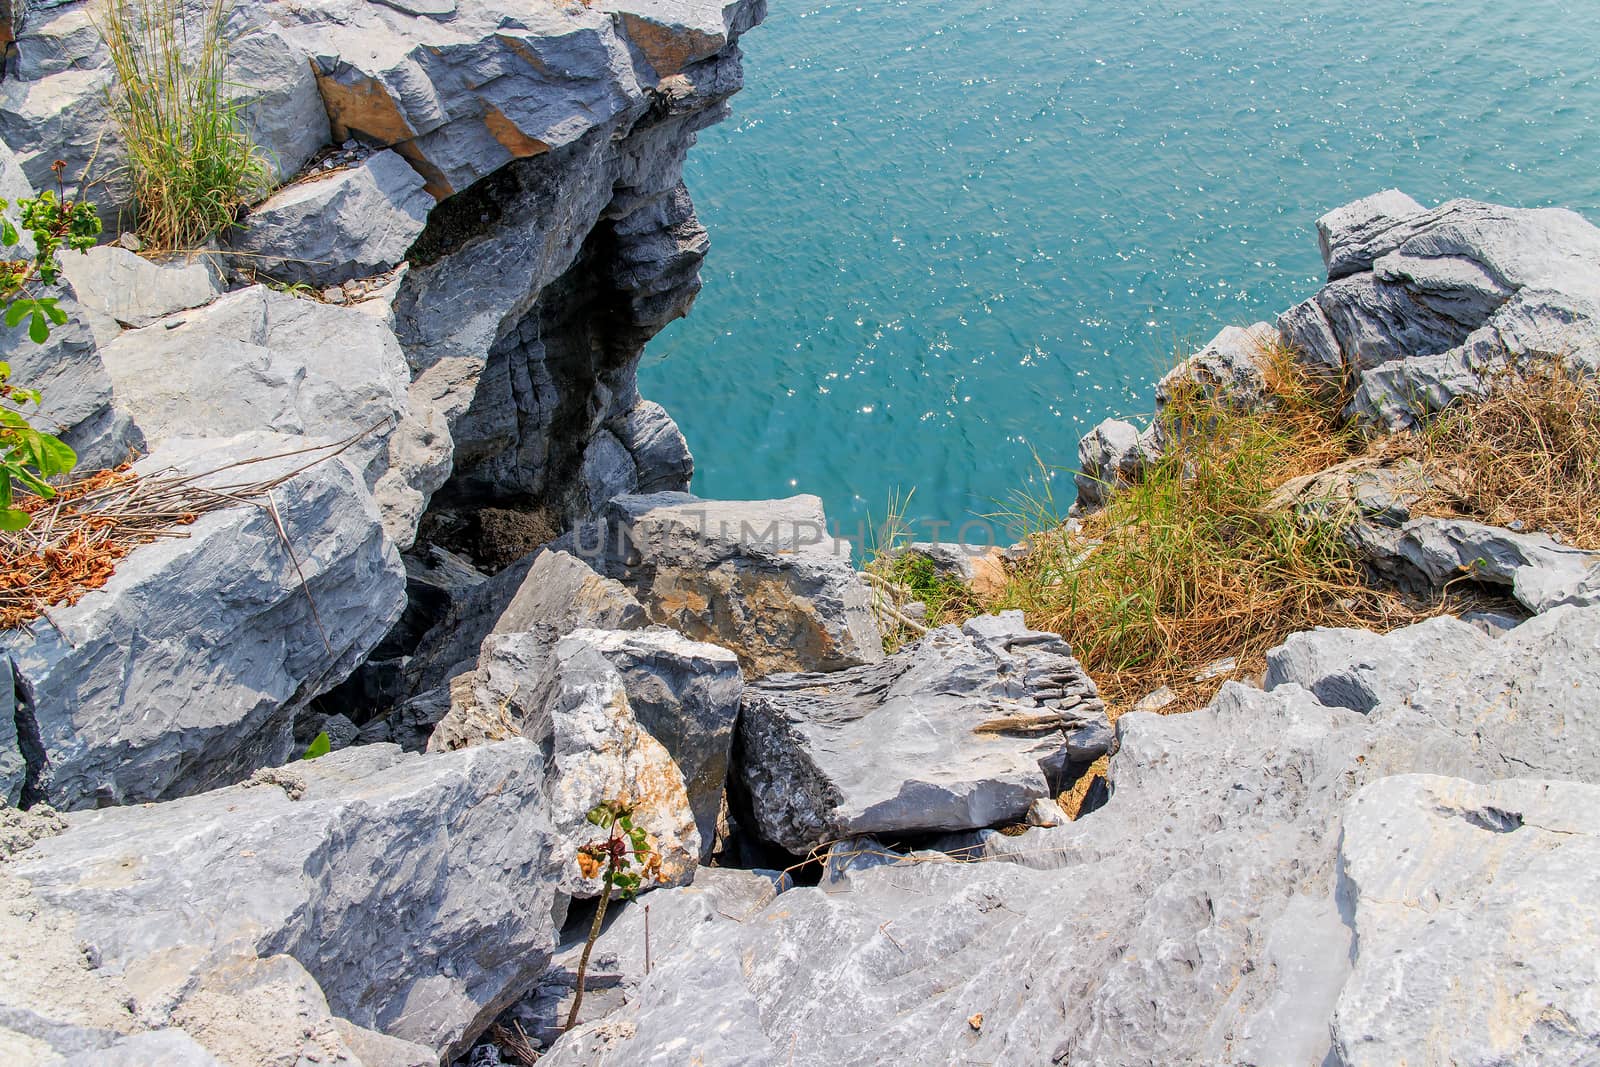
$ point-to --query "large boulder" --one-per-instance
(963, 730)
(365, 890)
(244, 363)
(686, 695)
(1424, 308)
(330, 228)
(185, 671)
(575, 704)
(1206, 914)
(762, 578)
(1475, 908)
(550, 594)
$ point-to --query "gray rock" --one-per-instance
(406, 891)
(136, 291)
(719, 895)
(77, 391)
(1196, 918)
(1429, 554)
(1046, 812)
(686, 695)
(1424, 308)
(660, 454)
(550, 594)
(608, 471)
(1473, 908)
(1112, 455)
(57, 108)
(762, 578)
(321, 231)
(187, 669)
(241, 364)
(1346, 234)
(1230, 368)
(574, 704)
(963, 730)
(507, 86)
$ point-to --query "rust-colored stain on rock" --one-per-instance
(510, 136)
(669, 48)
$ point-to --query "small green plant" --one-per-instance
(320, 745)
(29, 457)
(192, 164)
(627, 856)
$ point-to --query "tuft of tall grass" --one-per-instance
(191, 162)
(1528, 452)
(1196, 561)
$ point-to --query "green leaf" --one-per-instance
(57, 456)
(31, 481)
(16, 312)
(11, 519)
(599, 814)
(48, 306)
(320, 746)
(38, 330)
(8, 232)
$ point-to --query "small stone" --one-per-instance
(1216, 669)
(1045, 812)
(1156, 700)
(975, 1021)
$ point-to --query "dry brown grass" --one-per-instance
(1530, 453)
(1197, 562)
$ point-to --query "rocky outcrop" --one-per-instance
(963, 730)
(1238, 869)
(363, 891)
(762, 578)
(1425, 307)
(574, 704)
(187, 669)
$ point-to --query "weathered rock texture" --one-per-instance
(186, 670)
(327, 229)
(1238, 900)
(572, 702)
(963, 730)
(397, 893)
(762, 578)
(1425, 307)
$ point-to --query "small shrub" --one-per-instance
(191, 163)
(29, 457)
(626, 856)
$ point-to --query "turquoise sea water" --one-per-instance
(947, 234)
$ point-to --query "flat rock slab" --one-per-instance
(186, 670)
(1209, 913)
(764, 578)
(352, 223)
(1477, 909)
(407, 891)
(963, 730)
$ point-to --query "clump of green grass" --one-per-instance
(191, 163)
(1196, 561)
